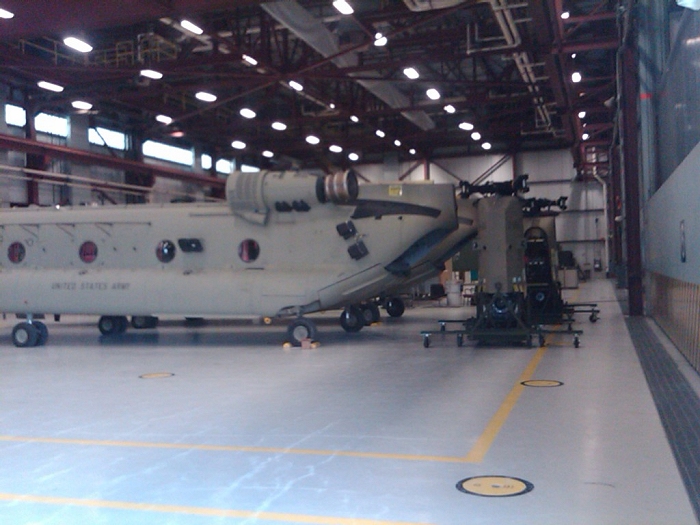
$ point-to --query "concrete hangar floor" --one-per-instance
(221, 424)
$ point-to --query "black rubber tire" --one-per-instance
(370, 313)
(43, 333)
(141, 322)
(25, 335)
(301, 329)
(352, 319)
(112, 324)
(395, 307)
(426, 341)
(593, 318)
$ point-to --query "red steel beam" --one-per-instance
(87, 157)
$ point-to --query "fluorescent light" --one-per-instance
(313, 139)
(380, 40)
(205, 97)
(191, 27)
(6, 14)
(343, 7)
(353, 157)
(411, 73)
(50, 86)
(247, 113)
(335, 148)
(151, 73)
(576, 77)
(380, 133)
(268, 154)
(296, 86)
(238, 144)
(433, 94)
(279, 126)
(412, 151)
(354, 119)
(250, 60)
(466, 126)
(565, 15)
(476, 136)
(486, 145)
(80, 104)
(164, 119)
(77, 44)
(581, 114)
(449, 108)
(397, 143)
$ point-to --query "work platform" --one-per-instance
(221, 424)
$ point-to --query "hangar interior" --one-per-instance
(216, 422)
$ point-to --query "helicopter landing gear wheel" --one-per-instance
(370, 313)
(25, 335)
(352, 319)
(395, 307)
(301, 329)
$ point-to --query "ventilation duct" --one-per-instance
(312, 31)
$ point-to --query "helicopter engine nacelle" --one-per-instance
(287, 191)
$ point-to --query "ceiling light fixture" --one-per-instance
(486, 145)
(449, 108)
(476, 136)
(581, 114)
(205, 97)
(6, 14)
(77, 44)
(279, 126)
(433, 94)
(380, 133)
(268, 154)
(585, 136)
(380, 40)
(193, 28)
(565, 15)
(164, 119)
(335, 148)
(411, 73)
(397, 143)
(50, 86)
(247, 113)
(151, 73)
(412, 151)
(353, 157)
(250, 60)
(296, 86)
(354, 118)
(238, 144)
(331, 105)
(82, 105)
(312, 139)
(576, 77)
(466, 126)
(343, 7)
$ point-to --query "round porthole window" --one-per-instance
(88, 252)
(248, 250)
(165, 251)
(16, 252)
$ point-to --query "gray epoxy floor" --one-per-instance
(368, 428)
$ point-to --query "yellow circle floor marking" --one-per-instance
(157, 375)
(542, 383)
(495, 486)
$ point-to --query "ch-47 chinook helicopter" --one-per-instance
(284, 244)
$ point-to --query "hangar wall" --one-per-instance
(670, 156)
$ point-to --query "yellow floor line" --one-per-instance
(196, 511)
(475, 455)
(484, 442)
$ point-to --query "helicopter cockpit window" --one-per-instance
(16, 252)
(165, 251)
(248, 250)
(88, 252)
